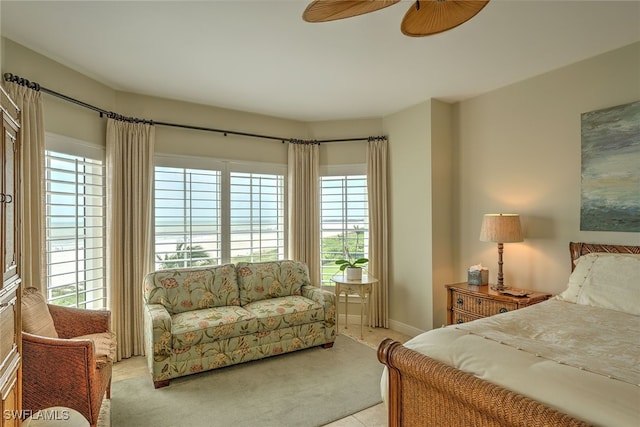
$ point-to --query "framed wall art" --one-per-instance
(610, 192)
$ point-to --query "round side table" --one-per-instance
(362, 287)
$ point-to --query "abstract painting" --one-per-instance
(611, 169)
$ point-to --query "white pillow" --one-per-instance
(578, 278)
(606, 280)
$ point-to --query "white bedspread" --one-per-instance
(581, 360)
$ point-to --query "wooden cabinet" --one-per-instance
(10, 286)
(467, 302)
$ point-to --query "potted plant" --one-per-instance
(353, 267)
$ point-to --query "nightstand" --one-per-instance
(468, 302)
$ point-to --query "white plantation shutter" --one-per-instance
(256, 217)
(210, 212)
(344, 220)
(75, 224)
(187, 217)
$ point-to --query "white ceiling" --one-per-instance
(260, 56)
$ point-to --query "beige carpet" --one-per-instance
(104, 419)
(306, 388)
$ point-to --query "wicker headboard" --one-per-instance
(578, 249)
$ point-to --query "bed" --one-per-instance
(573, 360)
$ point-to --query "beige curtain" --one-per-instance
(304, 206)
(377, 184)
(129, 228)
(32, 184)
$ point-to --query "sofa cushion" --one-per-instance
(185, 289)
(278, 313)
(36, 318)
(263, 280)
(211, 324)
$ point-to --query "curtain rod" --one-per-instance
(9, 77)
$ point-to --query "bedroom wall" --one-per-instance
(421, 215)
(64, 118)
(410, 287)
(514, 149)
(518, 150)
(442, 212)
(61, 116)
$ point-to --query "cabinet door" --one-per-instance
(10, 286)
(10, 204)
(10, 413)
(9, 355)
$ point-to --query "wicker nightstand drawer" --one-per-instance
(462, 317)
(481, 306)
(466, 303)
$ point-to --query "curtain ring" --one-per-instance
(10, 198)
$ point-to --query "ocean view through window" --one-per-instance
(75, 224)
(218, 212)
(344, 221)
(187, 217)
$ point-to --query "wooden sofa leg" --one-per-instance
(160, 384)
(327, 345)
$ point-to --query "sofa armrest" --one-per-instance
(157, 325)
(328, 301)
(73, 322)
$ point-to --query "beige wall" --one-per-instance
(442, 214)
(518, 150)
(64, 118)
(410, 287)
(61, 116)
(515, 149)
(421, 200)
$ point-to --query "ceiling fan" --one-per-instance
(425, 18)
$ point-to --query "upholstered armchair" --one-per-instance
(67, 356)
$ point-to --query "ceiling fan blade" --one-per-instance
(436, 16)
(330, 10)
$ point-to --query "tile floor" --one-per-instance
(375, 416)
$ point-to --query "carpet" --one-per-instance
(310, 387)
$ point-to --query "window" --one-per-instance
(74, 223)
(214, 212)
(187, 217)
(344, 219)
(257, 217)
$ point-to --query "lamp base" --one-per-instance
(499, 287)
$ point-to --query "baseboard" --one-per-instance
(393, 324)
(353, 318)
(404, 328)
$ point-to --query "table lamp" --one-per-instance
(501, 228)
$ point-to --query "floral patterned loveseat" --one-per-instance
(202, 318)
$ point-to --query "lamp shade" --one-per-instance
(501, 228)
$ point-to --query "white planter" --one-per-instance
(354, 273)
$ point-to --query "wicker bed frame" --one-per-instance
(426, 392)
